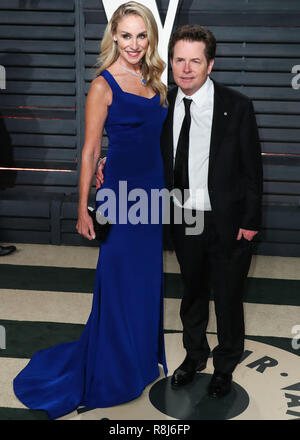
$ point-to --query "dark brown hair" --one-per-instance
(194, 32)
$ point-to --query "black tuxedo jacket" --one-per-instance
(235, 181)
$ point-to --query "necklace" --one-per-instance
(135, 74)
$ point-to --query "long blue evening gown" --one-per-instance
(122, 342)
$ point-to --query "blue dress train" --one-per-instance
(122, 343)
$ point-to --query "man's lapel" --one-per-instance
(221, 115)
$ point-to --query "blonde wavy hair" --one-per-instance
(152, 66)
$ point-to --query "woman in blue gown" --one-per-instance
(120, 348)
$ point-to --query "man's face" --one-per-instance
(189, 65)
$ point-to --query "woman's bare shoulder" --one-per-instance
(100, 87)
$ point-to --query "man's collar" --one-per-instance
(199, 96)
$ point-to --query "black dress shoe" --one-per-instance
(220, 384)
(6, 250)
(186, 371)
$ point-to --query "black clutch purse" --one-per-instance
(101, 229)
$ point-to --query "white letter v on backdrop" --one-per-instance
(164, 32)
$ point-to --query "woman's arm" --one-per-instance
(98, 99)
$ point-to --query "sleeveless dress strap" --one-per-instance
(110, 80)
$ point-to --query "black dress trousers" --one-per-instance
(208, 271)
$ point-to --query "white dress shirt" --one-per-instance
(200, 133)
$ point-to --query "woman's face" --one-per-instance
(132, 39)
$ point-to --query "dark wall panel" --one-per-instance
(38, 49)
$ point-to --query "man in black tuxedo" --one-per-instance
(210, 143)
